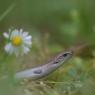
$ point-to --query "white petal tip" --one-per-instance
(6, 35)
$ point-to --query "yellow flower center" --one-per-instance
(16, 41)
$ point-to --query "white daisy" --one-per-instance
(19, 42)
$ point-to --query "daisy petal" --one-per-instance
(21, 32)
(8, 47)
(16, 51)
(25, 34)
(26, 49)
(6, 35)
(11, 50)
(28, 43)
(28, 38)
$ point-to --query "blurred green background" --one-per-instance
(55, 25)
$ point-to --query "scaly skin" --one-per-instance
(44, 70)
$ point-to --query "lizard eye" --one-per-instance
(64, 55)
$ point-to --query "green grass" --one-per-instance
(54, 26)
